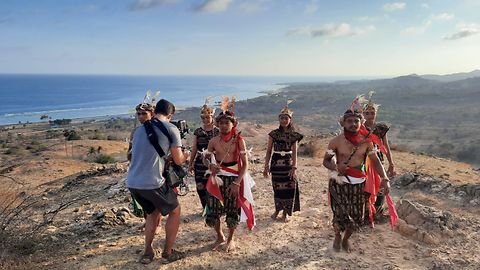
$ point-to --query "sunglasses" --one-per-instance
(141, 113)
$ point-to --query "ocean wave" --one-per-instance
(102, 108)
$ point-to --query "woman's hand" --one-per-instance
(266, 171)
(293, 172)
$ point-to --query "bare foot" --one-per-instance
(346, 245)
(231, 246)
(218, 243)
(285, 218)
(275, 215)
(337, 242)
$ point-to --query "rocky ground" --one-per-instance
(437, 200)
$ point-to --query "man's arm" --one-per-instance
(244, 160)
(391, 165)
(372, 154)
(234, 188)
(179, 156)
(328, 160)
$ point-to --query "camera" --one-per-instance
(182, 127)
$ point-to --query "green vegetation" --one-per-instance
(71, 135)
(104, 159)
(60, 122)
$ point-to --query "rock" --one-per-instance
(99, 215)
(51, 229)
(53, 238)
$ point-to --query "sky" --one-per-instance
(235, 37)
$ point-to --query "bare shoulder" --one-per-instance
(335, 141)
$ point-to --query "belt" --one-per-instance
(283, 153)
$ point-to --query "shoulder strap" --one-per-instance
(162, 128)
(153, 138)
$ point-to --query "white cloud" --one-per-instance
(418, 29)
(463, 31)
(147, 4)
(443, 17)
(394, 6)
(331, 31)
(311, 7)
(428, 23)
(213, 6)
(425, 5)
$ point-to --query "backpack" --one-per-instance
(172, 172)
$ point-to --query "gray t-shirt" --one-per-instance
(146, 166)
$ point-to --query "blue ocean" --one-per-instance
(28, 97)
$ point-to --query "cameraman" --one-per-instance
(147, 184)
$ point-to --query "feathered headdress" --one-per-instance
(286, 110)
(148, 103)
(227, 105)
(206, 110)
(369, 104)
(355, 108)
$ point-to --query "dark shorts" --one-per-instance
(164, 199)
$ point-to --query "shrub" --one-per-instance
(112, 138)
(60, 122)
(71, 135)
(104, 159)
(98, 136)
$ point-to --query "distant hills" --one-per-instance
(437, 116)
(453, 77)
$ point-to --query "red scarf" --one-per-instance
(227, 137)
(361, 137)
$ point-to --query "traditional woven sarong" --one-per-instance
(215, 208)
(203, 137)
(239, 209)
(348, 205)
(285, 189)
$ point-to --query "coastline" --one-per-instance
(181, 110)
